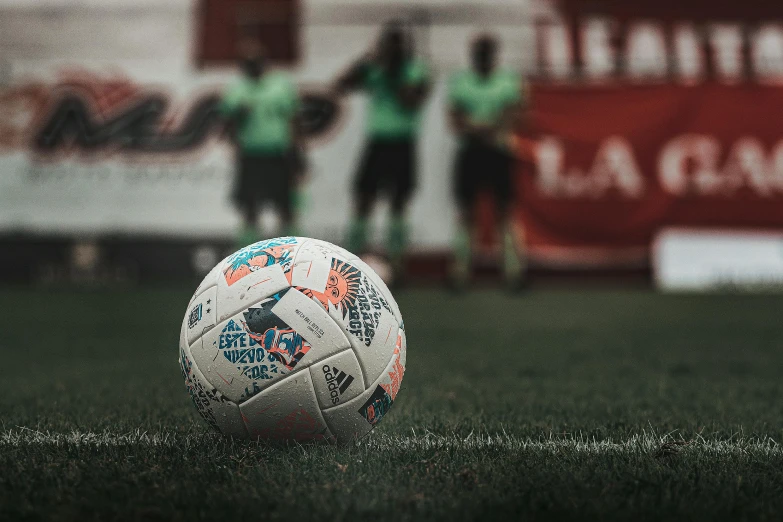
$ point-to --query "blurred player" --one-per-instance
(262, 107)
(485, 104)
(397, 85)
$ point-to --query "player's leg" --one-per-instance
(462, 246)
(292, 225)
(288, 221)
(514, 259)
(359, 229)
(401, 175)
(246, 198)
(365, 191)
(465, 189)
(249, 231)
(297, 200)
(282, 185)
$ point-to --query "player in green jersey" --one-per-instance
(485, 103)
(397, 85)
(262, 107)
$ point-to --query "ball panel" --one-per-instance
(390, 381)
(375, 357)
(337, 379)
(219, 412)
(183, 334)
(202, 314)
(312, 322)
(286, 411)
(345, 422)
(209, 280)
(243, 262)
(311, 267)
(357, 417)
(356, 304)
(381, 285)
(251, 288)
(225, 372)
(330, 250)
(250, 350)
(402, 345)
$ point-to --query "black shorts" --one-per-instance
(263, 178)
(389, 167)
(484, 168)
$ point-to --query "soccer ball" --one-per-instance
(292, 339)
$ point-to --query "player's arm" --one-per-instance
(515, 114)
(232, 108)
(353, 78)
(511, 118)
(298, 147)
(462, 124)
(459, 118)
(509, 121)
(412, 94)
(231, 101)
(298, 150)
(523, 108)
(515, 121)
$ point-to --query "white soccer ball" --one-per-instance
(292, 339)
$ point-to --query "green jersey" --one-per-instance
(270, 104)
(389, 118)
(485, 100)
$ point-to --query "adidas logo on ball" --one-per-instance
(337, 381)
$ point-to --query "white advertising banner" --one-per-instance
(700, 260)
(98, 153)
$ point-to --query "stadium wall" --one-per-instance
(108, 59)
(607, 161)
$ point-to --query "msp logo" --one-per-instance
(195, 315)
(337, 381)
(88, 112)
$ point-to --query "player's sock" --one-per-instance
(397, 241)
(357, 235)
(514, 265)
(298, 202)
(460, 270)
(292, 229)
(247, 235)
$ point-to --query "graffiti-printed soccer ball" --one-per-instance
(292, 338)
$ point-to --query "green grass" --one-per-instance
(550, 405)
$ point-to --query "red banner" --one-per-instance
(613, 164)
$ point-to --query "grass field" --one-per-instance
(613, 404)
